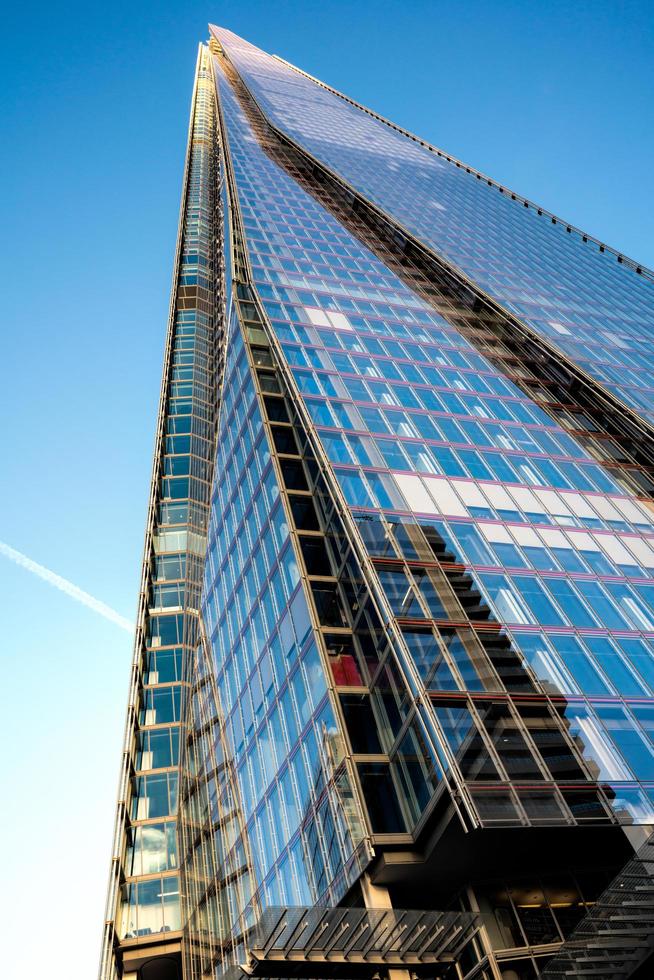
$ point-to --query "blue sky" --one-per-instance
(553, 99)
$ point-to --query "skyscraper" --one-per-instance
(391, 708)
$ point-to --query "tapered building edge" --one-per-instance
(383, 868)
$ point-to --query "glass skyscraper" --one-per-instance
(391, 708)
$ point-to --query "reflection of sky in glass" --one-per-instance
(268, 671)
(172, 576)
(598, 312)
(419, 426)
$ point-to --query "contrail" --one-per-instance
(65, 586)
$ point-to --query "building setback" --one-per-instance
(391, 709)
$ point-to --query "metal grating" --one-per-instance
(354, 942)
(617, 935)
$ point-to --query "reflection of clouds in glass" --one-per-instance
(154, 839)
(153, 849)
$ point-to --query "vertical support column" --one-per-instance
(378, 897)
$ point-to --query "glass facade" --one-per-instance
(399, 626)
(144, 893)
(281, 731)
(424, 435)
(571, 291)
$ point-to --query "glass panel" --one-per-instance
(504, 732)
(465, 742)
(429, 659)
(381, 798)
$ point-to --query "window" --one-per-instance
(355, 490)
(163, 666)
(376, 536)
(343, 661)
(284, 440)
(505, 599)
(328, 605)
(641, 657)
(501, 502)
(400, 593)
(592, 554)
(169, 567)
(632, 743)
(293, 474)
(416, 770)
(594, 744)
(304, 514)
(157, 749)
(151, 848)
(315, 556)
(421, 457)
(602, 605)
(580, 664)
(427, 582)
(381, 798)
(563, 550)
(616, 667)
(465, 742)
(154, 796)
(360, 723)
(448, 461)
(538, 600)
(635, 603)
(149, 907)
(474, 499)
(429, 658)
(508, 741)
(545, 664)
(576, 610)
(463, 648)
(384, 490)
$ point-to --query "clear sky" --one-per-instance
(554, 99)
